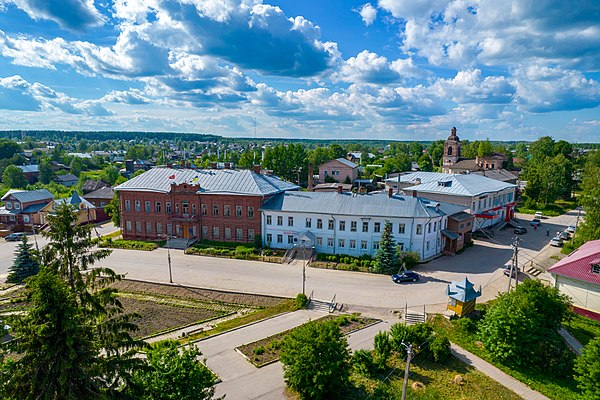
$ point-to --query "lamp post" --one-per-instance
(306, 259)
(169, 259)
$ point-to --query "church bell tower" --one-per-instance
(451, 151)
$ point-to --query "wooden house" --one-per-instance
(461, 297)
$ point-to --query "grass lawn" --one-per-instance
(584, 329)
(555, 209)
(560, 388)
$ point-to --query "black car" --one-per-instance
(406, 276)
(520, 230)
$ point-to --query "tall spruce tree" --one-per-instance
(387, 255)
(26, 262)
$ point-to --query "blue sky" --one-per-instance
(385, 69)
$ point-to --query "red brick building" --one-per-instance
(221, 205)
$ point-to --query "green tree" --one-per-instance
(26, 263)
(336, 151)
(485, 148)
(46, 174)
(425, 163)
(13, 177)
(174, 374)
(542, 148)
(76, 166)
(9, 148)
(316, 361)
(318, 156)
(436, 150)
(110, 174)
(113, 209)
(587, 369)
(386, 258)
(589, 229)
(520, 328)
(58, 357)
(382, 346)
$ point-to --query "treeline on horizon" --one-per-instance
(58, 135)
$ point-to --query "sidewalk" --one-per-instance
(496, 374)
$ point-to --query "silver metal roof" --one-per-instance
(26, 196)
(454, 184)
(211, 181)
(29, 168)
(374, 204)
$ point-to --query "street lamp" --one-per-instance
(306, 259)
(169, 258)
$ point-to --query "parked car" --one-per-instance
(556, 241)
(538, 215)
(571, 229)
(520, 230)
(535, 222)
(406, 276)
(506, 270)
(564, 235)
(14, 237)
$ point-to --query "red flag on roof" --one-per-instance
(172, 176)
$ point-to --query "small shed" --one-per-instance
(462, 297)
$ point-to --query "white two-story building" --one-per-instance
(352, 224)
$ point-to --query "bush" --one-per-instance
(301, 301)
(363, 363)
(466, 325)
(129, 244)
(259, 350)
(439, 346)
(383, 347)
(416, 334)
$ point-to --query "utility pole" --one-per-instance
(514, 267)
(576, 224)
(304, 277)
(406, 371)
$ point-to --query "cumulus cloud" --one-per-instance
(368, 13)
(470, 87)
(74, 15)
(368, 67)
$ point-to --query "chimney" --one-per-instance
(256, 169)
(339, 189)
(390, 192)
(414, 193)
(310, 178)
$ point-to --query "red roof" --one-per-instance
(578, 265)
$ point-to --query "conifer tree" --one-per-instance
(387, 255)
(26, 262)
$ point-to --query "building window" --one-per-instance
(419, 229)
(194, 209)
(427, 245)
(215, 231)
(308, 223)
(401, 246)
(469, 223)
(138, 205)
(250, 234)
(269, 238)
(341, 243)
(365, 226)
(168, 207)
(595, 268)
(319, 224)
(238, 211)
(401, 228)
(226, 210)
(148, 227)
(9, 205)
(159, 228)
(342, 225)
(375, 245)
(138, 226)
(147, 206)
(250, 212)
(290, 221)
(435, 226)
(319, 241)
(215, 209)
(128, 226)
(204, 209)
(227, 233)
(279, 238)
(169, 229)
(178, 230)
(462, 226)
(329, 242)
(239, 233)
(157, 207)
(194, 231)
(353, 244)
(429, 227)
(352, 226)
(176, 208)
(279, 220)
(330, 225)
(17, 206)
(473, 206)
(269, 220)
(364, 245)
(204, 231)
(290, 239)
(377, 227)
(127, 205)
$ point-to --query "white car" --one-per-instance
(556, 241)
(538, 215)
(571, 229)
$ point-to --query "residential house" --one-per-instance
(67, 180)
(31, 172)
(100, 198)
(21, 207)
(133, 166)
(85, 211)
(214, 204)
(340, 170)
(578, 276)
(91, 185)
(352, 224)
(488, 200)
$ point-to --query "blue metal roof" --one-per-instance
(457, 184)
(211, 181)
(462, 291)
(26, 196)
(374, 204)
(29, 168)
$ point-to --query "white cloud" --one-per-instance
(75, 15)
(368, 67)
(368, 13)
